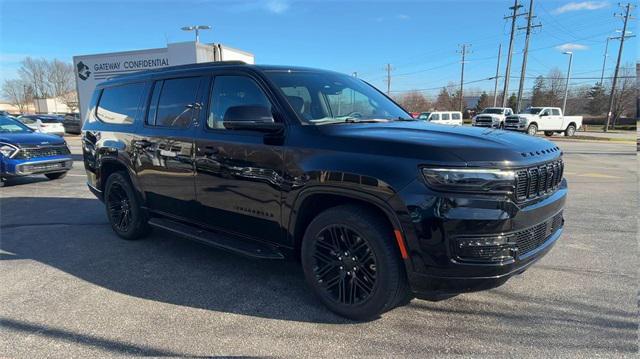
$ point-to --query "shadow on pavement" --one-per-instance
(73, 235)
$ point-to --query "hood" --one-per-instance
(30, 139)
(453, 145)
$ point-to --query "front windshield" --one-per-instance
(533, 110)
(327, 97)
(424, 116)
(8, 125)
(492, 110)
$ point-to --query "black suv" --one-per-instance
(280, 162)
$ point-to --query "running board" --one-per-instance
(240, 246)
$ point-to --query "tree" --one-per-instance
(59, 76)
(483, 102)
(598, 100)
(443, 101)
(70, 99)
(19, 93)
(538, 95)
(625, 95)
(34, 72)
(414, 101)
(512, 102)
(555, 86)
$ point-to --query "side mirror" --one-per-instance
(250, 117)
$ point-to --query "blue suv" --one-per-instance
(24, 152)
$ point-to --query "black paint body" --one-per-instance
(254, 185)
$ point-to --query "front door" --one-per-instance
(238, 172)
(164, 146)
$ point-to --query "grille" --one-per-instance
(28, 153)
(538, 181)
(532, 238)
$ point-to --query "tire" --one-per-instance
(55, 176)
(532, 130)
(126, 217)
(548, 133)
(379, 281)
(570, 131)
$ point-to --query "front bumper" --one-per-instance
(39, 165)
(434, 223)
(519, 126)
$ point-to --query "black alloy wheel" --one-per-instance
(344, 264)
(119, 207)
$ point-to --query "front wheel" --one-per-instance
(532, 129)
(570, 131)
(55, 176)
(351, 262)
(123, 208)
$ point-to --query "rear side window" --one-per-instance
(435, 117)
(455, 116)
(556, 112)
(445, 117)
(172, 102)
(119, 104)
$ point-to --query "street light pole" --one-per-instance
(197, 29)
(566, 87)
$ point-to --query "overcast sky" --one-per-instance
(419, 39)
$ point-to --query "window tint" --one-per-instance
(455, 116)
(545, 113)
(445, 117)
(556, 112)
(119, 104)
(231, 91)
(173, 100)
(300, 99)
(435, 117)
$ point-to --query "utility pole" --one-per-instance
(513, 17)
(566, 86)
(389, 79)
(615, 74)
(495, 87)
(604, 61)
(523, 72)
(464, 51)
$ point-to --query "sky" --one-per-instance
(420, 39)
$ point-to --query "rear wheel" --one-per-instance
(532, 129)
(123, 208)
(570, 131)
(350, 261)
(548, 133)
(55, 176)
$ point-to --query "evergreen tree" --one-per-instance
(512, 102)
(538, 96)
(443, 101)
(483, 102)
(597, 96)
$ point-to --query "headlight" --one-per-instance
(470, 180)
(8, 150)
(522, 119)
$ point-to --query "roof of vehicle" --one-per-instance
(148, 74)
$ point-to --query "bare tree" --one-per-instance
(555, 87)
(34, 72)
(414, 101)
(19, 93)
(59, 77)
(624, 102)
(70, 99)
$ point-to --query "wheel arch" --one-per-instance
(313, 201)
(110, 165)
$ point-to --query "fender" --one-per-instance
(113, 152)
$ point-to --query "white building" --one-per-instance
(94, 69)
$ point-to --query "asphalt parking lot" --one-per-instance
(71, 288)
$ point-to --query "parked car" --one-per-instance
(43, 123)
(442, 117)
(492, 117)
(24, 152)
(274, 162)
(547, 119)
(72, 123)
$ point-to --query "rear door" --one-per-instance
(445, 118)
(165, 147)
(239, 173)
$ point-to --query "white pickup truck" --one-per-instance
(492, 117)
(547, 119)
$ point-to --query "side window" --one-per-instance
(435, 117)
(455, 116)
(171, 102)
(119, 104)
(300, 99)
(445, 117)
(556, 112)
(232, 91)
(545, 113)
(509, 113)
(27, 120)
